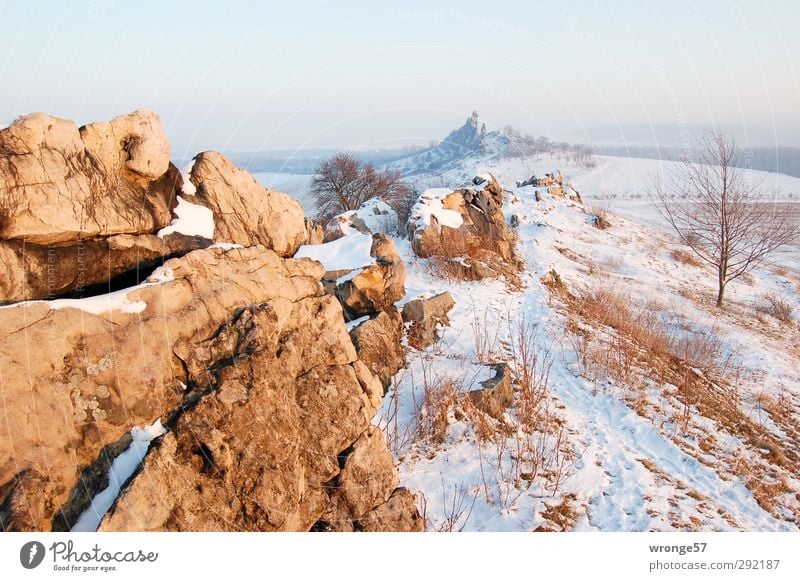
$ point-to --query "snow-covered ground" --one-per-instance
(605, 454)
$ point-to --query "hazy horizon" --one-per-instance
(326, 75)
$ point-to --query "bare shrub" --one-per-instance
(486, 337)
(600, 215)
(777, 307)
(457, 507)
(433, 415)
(342, 183)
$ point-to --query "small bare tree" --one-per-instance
(342, 183)
(718, 213)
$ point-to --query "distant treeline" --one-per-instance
(785, 160)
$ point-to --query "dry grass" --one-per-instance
(683, 257)
(778, 308)
(600, 216)
(631, 346)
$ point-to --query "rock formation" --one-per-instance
(376, 287)
(239, 352)
(373, 217)
(378, 342)
(467, 226)
(67, 194)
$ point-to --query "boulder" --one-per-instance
(466, 227)
(61, 183)
(246, 212)
(398, 514)
(376, 287)
(33, 271)
(80, 206)
(425, 316)
(378, 343)
(496, 394)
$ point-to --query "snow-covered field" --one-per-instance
(609, 454)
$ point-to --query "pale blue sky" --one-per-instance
(323, 73)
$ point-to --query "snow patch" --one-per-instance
(431, 204)
(121, 470)
(188, 187)
(347, 253)
(192, 220)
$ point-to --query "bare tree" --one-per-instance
(342, 183)
(718, 213)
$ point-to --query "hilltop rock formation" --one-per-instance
(465, 226)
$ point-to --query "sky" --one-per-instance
(268, 75)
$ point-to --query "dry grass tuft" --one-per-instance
(778, 308)
(684, 257)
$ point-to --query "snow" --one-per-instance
(122, 468)
(116, 301)
(430, 205)
(192, 220)
(377, 215)
(346, 253)
(633, 461)
(356, 322)
(188, 188)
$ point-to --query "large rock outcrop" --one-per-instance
(246, 212)
(81, 205)
(247, 363)
(465, 226)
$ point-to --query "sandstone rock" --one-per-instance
(398, 514)
(75, 382)
(368, 476)
(315, 233)
(81, 206)
(246, 212)
(257, 452)
(33, 271)
(491, 186)
(378, 286)
(467, 227)
(61, 183)
(378, 343)
(425, 315)
(496, 394)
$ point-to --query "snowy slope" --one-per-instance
(607, 454)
